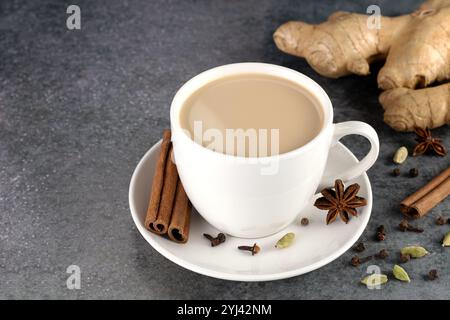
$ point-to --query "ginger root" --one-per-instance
(406, 108)
(416, 48)
(340, 46)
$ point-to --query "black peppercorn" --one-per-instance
(413, 173)
(432, 275)
(396, 172)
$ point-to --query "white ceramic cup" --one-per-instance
(232, 193)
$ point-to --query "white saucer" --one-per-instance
(315, 245)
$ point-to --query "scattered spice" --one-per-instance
(360, 247)
(413, 172)
(427, 142)
(356, 261)
(446, 240)
(405, 226)
(415, 229)
(374, 280)
(404, 257)
(380, 236)
(217, 240)
(383, 254)
(340, 201)
(253, 249)
(285, 241)
(400, 274)
(396, 172)
(414, 251)
(381, 233)
(440, 221)
(400, 155)
(304, 221)
(432, 275)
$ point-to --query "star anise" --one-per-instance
(427, 142)
(340, 202)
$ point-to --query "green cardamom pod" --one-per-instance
(400, 155)
(400, 274)
(414, 251)
(285, 241)
(375, 279)
(446, 240)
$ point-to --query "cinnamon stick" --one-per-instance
(179, 223)
(423, 200)
(169, 208)
(158, 181)
(161, 224)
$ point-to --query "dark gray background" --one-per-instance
(78, 109)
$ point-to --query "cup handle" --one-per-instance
(354, 127)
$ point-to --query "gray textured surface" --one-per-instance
(79, 108)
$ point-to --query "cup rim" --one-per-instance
(189, 87)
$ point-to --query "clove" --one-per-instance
(360, 247)
(381, 234)
(383, 254)
(404, 257)
(217, 240)
(440, 221)
(356, 261)
(405, 226)
(253, 249)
